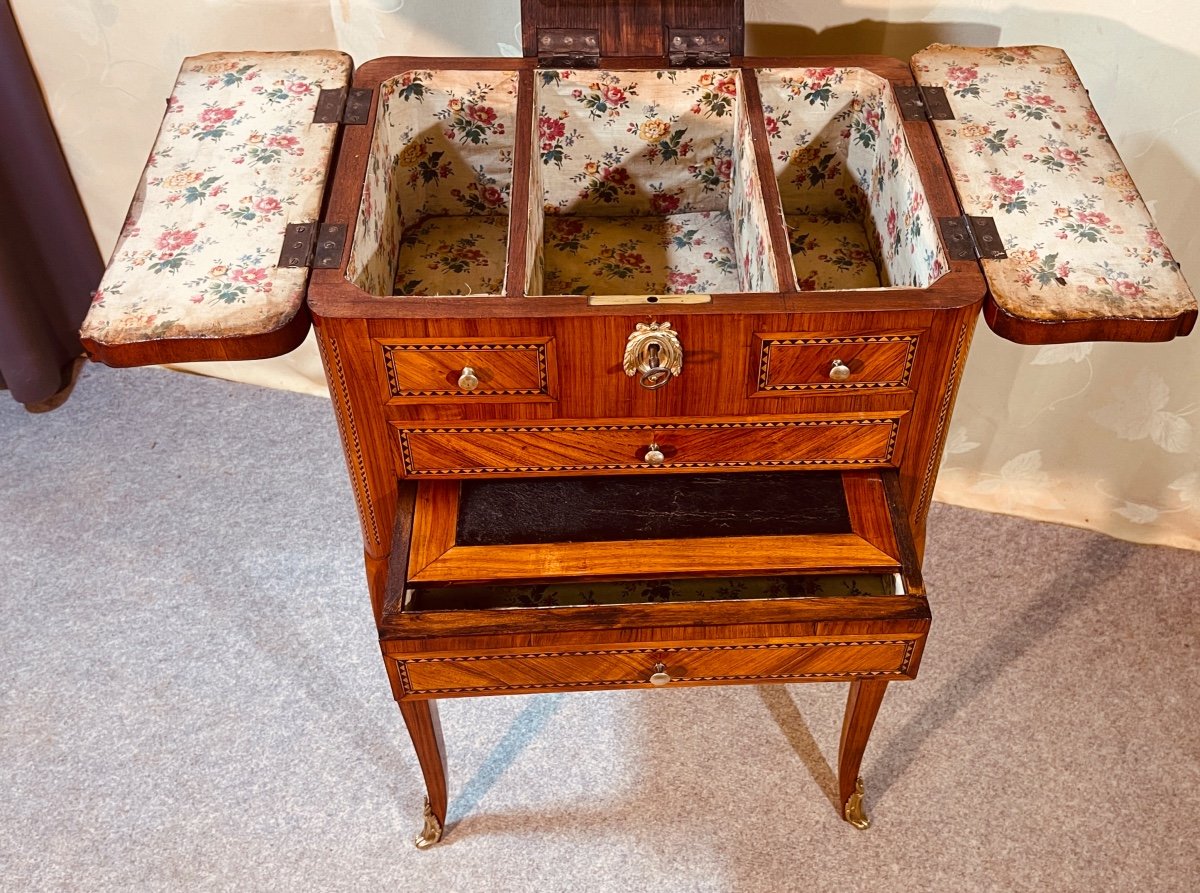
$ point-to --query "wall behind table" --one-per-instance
(1097, 435)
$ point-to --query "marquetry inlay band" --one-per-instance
(908, 644)
(340, 393)
(961, 346)
(764, 363)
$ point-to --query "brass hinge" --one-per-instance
(972, 238)
(922, 103)
(343, 106)
(568, 47)
(313, 245)
(698, 47)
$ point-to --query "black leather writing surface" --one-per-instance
(669, 506)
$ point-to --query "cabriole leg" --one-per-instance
(862, 706)
(425, 729)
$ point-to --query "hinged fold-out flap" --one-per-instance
(195, 273)
(1025, 148)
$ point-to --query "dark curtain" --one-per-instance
(49, 262)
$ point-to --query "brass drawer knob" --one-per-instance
(839, 371)
(467, 381)
(660, 676)
(654, 354)
(654, 456)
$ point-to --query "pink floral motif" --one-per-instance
(170, 272)
(665, 202)
(1081, 201)
(174, 239)
(252, 277)
(679, 282)
(446, 140)
(214, 116)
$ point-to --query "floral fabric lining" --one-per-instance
(649, 185)
(237, 159)
(679, 254)
(830, 252)
(1028, 150)
(453, 256)
(622, 143)
(442, 147)
(839, 150)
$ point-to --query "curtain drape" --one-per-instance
(49, 262)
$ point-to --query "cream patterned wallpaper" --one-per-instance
(1097, 435)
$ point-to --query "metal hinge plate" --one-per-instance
(343, 106)
(698, 47)
(568, 47)
(310, 244)
(923, 103)
(972, 238)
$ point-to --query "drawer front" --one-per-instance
(802, 363)
(850, 442)
(466, 370)
(626, 668)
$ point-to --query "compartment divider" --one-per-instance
(769, 187)
(521, 199)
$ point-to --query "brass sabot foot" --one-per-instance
(855, 814)
(431, 832)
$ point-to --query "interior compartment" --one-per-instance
(644, 182)
(433, 219)
(852, 199)
(748, 524)
(635, 592)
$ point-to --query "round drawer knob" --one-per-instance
(660, 676)
(839, 371)
(654, 456)
(467, 381)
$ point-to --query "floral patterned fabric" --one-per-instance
(752, 242)
(236, 160)
(1028, 150)
(841, 152)
(453, 256)
(554, 595)
(621, 143)
(679, 254)
(442, 147)
(831, 251)
(649, 185)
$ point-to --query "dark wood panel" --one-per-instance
(190, 350)
(1038, 331)
(632, 27)
(682, 621)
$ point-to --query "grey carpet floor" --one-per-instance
(191, 698)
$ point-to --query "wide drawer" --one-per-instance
(788, 661)
(508, 370)
(845, 441)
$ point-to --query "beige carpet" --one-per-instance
(191, 699)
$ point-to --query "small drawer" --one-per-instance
(794, 661)
(790, 362)
(850, 441)
(497, 370)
